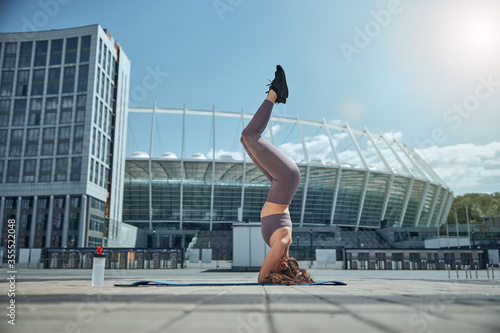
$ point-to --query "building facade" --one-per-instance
(63, 116)
(350, 179)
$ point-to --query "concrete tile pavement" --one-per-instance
(374, 301)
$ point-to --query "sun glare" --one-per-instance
(481, 36)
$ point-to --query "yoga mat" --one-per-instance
(184, 284)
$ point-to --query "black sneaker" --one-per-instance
(278, 85)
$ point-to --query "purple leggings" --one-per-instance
(281, 171)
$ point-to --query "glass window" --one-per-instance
(100, 51)
(15, 150)
(33, 134)
(78, 132)
(3, 135)
(77, 146)
(67, 102)
(83, 77)
(51, 103)
(97, 81)
(63, 148)
(53, 84)
(76, 167)
(65, 116)
(101, 114)
(35, 112)
(38, 81)
(5, 105)
(31, 149)
(69, 79)
(64, 133)
(9, 56)
(81, 100)
(49, 133)
(98, 153)
(91, 173)
(25, 54)
(4, 113)
(16, 142)
(85, 49)
(48, 148)
(13, 171)
(16, 135)
(102, 85)
(61, 169)
(7, 83)
(71, 49)
(41, 53)
(66, 110)
(19, 112)
(56, 52)
(22, 83)
(29, 171)
(50, 117)
(45, 174)
(96, 173)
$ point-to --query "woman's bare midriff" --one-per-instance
(271, 208)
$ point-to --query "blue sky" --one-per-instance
(427, 70)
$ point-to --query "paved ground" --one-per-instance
(373, 301)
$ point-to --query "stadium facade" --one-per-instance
(63, 115)
(351, 179)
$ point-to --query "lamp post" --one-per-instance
(473, 240)
(311, 238)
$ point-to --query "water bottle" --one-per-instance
(98, 268)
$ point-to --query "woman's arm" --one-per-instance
(275, 254)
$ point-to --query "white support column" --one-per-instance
(445, 207)
(403, 165)
(82, 224)
(149, 169)
(181, 199)
(424, 177)
(422, 202)
(387, 196)
(366, 180)
(243, 180)
(434, 204)
(212, 192)
(406, 201)
(33, 222)
(339, 172)
(415, 165)
(389, 170)
(408, 171)
(65, 227)
(306, 183)
(424, 165)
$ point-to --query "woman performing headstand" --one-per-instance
(284, 175)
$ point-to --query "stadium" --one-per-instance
(352, 181)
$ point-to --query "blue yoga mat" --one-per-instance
(170, 283)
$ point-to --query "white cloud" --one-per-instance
(275, 129)
(223, 154)
(466, 167)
